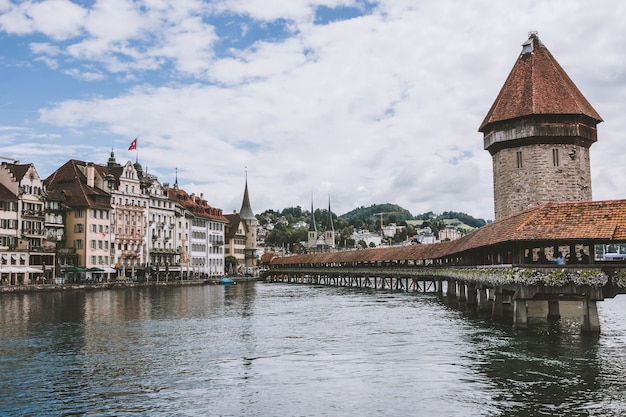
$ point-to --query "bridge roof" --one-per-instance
(601, 221)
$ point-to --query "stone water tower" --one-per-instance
(538, 132)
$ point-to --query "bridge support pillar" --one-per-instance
(483, 300)
(471, 295)
(590, 319)
(520, 314)
(451, 288)
(553, 310)
(461, 291)
(497, 309)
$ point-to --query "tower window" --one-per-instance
(519, 159)
(555, 157)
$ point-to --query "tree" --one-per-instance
(230, 263)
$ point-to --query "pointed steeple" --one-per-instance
(330, 217)
(176, 180)
(312, 226)
(246, 210)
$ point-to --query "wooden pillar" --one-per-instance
(451, 288)
(590, 320)
(553, 310)
(483, 301)
(461, 292)
(497, 310)
(471, 295)
(520, 314)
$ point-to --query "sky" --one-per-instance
(359, 102)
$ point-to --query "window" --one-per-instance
(78, 213)
(79, 228)
(555, 157)
(78, 244)
(519, 159)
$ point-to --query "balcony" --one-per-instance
(33, 213)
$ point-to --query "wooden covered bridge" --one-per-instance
(551, 261)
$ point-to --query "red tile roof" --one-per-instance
(196, 205)
(69, 183)
(537, 84)
(578, 221)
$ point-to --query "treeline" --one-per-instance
(291, 225)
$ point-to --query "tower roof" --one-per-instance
(537, 85)
(331, 226)
(246, 210)
(312, 225)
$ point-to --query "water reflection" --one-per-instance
(261, 349)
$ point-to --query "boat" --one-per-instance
(226, 281)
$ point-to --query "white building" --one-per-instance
(205, 235)
(366, 236)
(129, 217)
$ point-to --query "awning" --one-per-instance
(9, 269)
(75, 269)
(109, 270)
(34, 270)
(95, 269)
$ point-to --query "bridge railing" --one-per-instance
(492, 275)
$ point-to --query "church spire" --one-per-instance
(312, 226)
(330, 217)
(246, 210)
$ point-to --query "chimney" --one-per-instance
(90, 173)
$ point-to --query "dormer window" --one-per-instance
(527, 47)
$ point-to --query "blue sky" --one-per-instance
(365, 101)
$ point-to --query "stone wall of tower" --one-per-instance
(540, 178)
(251, 238)
(329, 238)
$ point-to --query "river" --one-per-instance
(257, 349)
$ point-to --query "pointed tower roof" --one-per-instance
(312, 226)
(246, 210)
(331, 226)
(536, 85)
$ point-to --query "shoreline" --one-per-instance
(114, 285)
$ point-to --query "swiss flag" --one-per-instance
(133, 145)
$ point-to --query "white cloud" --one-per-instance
(379, 108)
(58, 19)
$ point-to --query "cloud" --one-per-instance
(378, 102)
(59, 19)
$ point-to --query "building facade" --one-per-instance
(77, 191)
(23, 255)
(129, 218)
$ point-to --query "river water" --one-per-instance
(256, 349)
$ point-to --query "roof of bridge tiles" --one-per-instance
(537, 84)
(579, 221)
